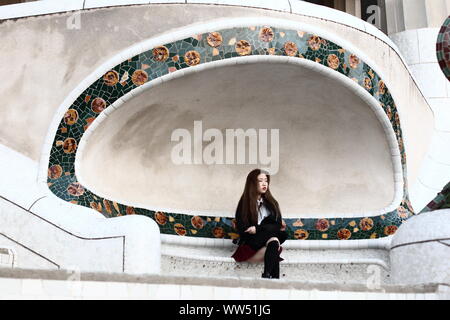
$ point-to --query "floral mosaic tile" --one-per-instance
(204, 48)
(441, 201)
(443, 48)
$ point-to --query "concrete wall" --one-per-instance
(405, 15)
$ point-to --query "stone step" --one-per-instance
(62, 284)
(363, 266)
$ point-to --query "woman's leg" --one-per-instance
(259, 256)
(271, 262)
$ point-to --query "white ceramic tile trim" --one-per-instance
(90, 4)
(380, 243)
(279, 5)
(150, 43)
(382, 117)
(39, 8)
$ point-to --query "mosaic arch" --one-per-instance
(201, 49)
(443, 48)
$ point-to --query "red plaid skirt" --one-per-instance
(245, 252)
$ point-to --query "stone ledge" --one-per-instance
(216, 281)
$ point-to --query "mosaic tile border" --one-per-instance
(200, 49)
(443, 48)
(441, 201)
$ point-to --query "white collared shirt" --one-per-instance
(262, 212)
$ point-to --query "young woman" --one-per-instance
(259, 224)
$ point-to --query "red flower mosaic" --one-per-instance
(139, 77)
(98, 105)
(197, 222)
(290, 48)
(75, 189)
(214, 39)
(179, 229)
(71, 117)
(111, 78)
(160, 218)
(266, 34)
(301, 234)
(344, 234)
(69, 145)
(390, 230)
(322, 225)
(160, 53)
(366, 224)
(243, 47)
(55, 171)
(192, 58)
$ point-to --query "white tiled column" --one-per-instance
(419, 49)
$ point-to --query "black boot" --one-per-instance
(271, 263)
(276, 271)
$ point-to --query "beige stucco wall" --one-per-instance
(415, 14)
(333, 155)
(45, 61)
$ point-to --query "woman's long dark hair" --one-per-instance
(247, 203)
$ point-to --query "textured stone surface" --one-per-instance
(33, 284)
(339, 266)
(426, 226)
(420, 251)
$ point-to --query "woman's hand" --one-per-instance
(251, 230)
(283, 225)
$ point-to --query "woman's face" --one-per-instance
(262, 184)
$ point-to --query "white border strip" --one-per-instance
(323, 70)
(380, 243)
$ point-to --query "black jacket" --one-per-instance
(241, 226)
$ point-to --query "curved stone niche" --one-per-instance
(319, 125)
(203, 49)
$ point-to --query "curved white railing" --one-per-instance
(380, 243)
(66, 235)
